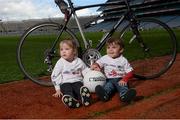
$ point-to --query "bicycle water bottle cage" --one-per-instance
(62, 5)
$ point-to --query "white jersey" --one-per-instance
(114, 68)
(67, 72)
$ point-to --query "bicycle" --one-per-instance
(150, 45)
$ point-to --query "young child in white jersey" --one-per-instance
(67, 77)
(117, 70)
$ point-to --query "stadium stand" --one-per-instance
(18, 27)
(175, 22)
(166, 10)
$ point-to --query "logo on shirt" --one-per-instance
(73, 71)
(120, 68)
(113, 73)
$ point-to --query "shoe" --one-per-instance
(101, 93)
(71, 102)
(129, 96)
(85, 96)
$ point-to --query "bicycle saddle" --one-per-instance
(62, 5)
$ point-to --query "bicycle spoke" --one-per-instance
(154, 53)
(35, 57)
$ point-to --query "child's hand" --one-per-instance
(122, 83)
(95, 67)
(57, 94)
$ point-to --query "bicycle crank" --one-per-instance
(90, 56)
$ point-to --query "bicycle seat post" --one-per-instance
(87, 44)
(127, 5)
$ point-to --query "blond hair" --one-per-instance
(70, 43)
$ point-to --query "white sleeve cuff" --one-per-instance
(57, 87)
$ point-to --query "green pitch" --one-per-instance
(9, 70)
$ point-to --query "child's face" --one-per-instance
(114, 50)
(67, 52)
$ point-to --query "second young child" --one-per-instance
(117, 70)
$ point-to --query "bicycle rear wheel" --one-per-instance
(161, 48)
(34, 48)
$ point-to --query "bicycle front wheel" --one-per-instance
(160, 52)
(35, 46)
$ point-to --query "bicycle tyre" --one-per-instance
(33, 47)
(162, 44)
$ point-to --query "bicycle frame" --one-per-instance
(127, 15)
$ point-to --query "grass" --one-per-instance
(9, 70)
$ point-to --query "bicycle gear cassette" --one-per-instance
(90, 56)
